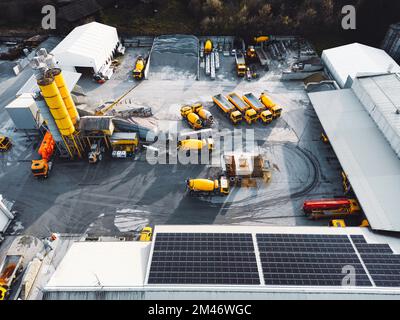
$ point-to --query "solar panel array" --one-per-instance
(308, 260)
(204, 258)
(382, 264)
(286, 260)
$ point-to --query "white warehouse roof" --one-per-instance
(210, 247)
(372, 166)
(357, 59)
(92, 265)
(89, 45)
(380, 95)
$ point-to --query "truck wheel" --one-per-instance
(100, 157)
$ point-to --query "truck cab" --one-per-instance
(146, 234)
(266, 117)
(5, 144)
(236, 117)
(224, 186)
(251, 116)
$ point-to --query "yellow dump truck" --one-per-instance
(208, 46)
(241, 67)
(191, 118)
(196, 144)
(250, 115)
(271, 106)
(206, 187)
(263, 113)
(228, 109)
(138, 72)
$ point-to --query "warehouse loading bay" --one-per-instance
(118, 197)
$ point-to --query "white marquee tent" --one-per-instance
(91, 46)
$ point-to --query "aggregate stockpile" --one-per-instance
(174, 57)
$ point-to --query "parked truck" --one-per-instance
(240, 64)
(192, 119)
(205, 115)
(96, 152)
(228, 109)
(41, 168)
(196, 144)
(250, 115)
(9, 270)
(263, 113)
(272, 106)
(140, 64)
(206, 187)
(330, 208)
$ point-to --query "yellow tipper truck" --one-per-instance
(250, 115)
(206, 187)
(241, 67)
(228, 109)
(264, 114)
(272, 106)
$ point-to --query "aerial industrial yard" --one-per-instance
(94, 156)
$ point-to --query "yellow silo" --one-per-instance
(65, 94)
(56, 105)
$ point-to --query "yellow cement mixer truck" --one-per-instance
(270, 105)
(206, 187)
(193, 120)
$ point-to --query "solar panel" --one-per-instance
(203, 258)
(382, 265)
(308, 260)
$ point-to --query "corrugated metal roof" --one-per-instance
(380, 95)
(111, 262)
(354, 59)
(372, 166)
